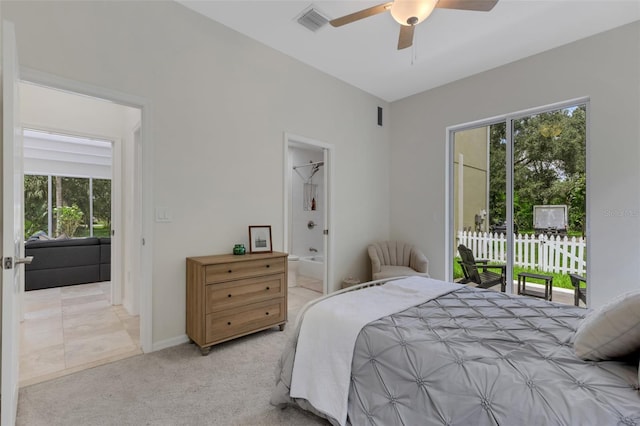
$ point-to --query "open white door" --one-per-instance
(326, 213)
(12, 234)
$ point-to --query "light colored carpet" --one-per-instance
(175, 386)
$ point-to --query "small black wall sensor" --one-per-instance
(379, 116)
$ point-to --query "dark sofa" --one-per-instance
(58, 263)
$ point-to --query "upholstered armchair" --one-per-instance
(395, 259)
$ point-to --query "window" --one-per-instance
(76, 207)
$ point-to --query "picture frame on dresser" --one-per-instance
(260, 239)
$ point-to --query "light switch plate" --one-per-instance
(163, 214)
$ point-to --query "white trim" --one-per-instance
(509, 206)
(448, 205)
(293, 140)
(587, 227)
(146, 249)
(506, 118)
(169, 343)
(117, 223)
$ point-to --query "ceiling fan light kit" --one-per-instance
(412, 12)
(409, 13)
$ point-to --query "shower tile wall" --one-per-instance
(301, 237)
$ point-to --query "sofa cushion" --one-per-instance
(105, 259)
(90, 241)
(63, 256)
(60, 277)
(62, 262)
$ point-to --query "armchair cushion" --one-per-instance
(388, 271)
(395, 258)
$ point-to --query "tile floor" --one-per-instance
(309, 283)
(68, 329)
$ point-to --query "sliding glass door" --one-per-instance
(517, 194)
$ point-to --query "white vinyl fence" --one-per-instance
(556, 254)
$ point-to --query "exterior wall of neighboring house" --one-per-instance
(473, 146)
(583, 68)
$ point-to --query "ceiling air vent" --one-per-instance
(312, 19)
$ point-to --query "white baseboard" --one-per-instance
(174, 341)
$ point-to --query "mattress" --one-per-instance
(478, 357)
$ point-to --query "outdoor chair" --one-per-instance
(478, 271)
(579, 293)
(396, 259)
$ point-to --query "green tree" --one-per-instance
(549, 165)
(35, 204)
(73, 191)
(498, 173)
(102, 201)
(69, 218)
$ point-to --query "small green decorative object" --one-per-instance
(239, 249)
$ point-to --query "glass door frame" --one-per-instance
(449, 178)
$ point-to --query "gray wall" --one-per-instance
(606, 68)
(220, 105)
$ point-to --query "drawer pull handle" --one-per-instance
(267, 313)
(229, 271)
(229, 323)
(268, 288)
(268, 266)
(229, 295)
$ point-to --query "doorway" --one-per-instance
(72, 327)
(307, 212)
(517, 194)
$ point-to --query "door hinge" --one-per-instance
(7, 263)
(325, 232)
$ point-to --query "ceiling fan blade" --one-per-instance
(406, 36)
(477, 5)
(365, 13)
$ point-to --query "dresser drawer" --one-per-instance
(243, 320)
(228, 295)
(237, 270)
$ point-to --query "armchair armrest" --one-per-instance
(577, 279)
(502, 267)
(419, 261)
(375, 260)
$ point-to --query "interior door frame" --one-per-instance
(508, 119)
(293, 140)
(13, 244)
(116, 191)
(145, 231)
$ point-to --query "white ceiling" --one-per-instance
(449, 45)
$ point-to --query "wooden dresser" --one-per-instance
(229, 296)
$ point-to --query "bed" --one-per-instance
(449, 354)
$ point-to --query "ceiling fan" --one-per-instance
(409, 13)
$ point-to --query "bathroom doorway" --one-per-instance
(307, 212)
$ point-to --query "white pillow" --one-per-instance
(611, 331)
